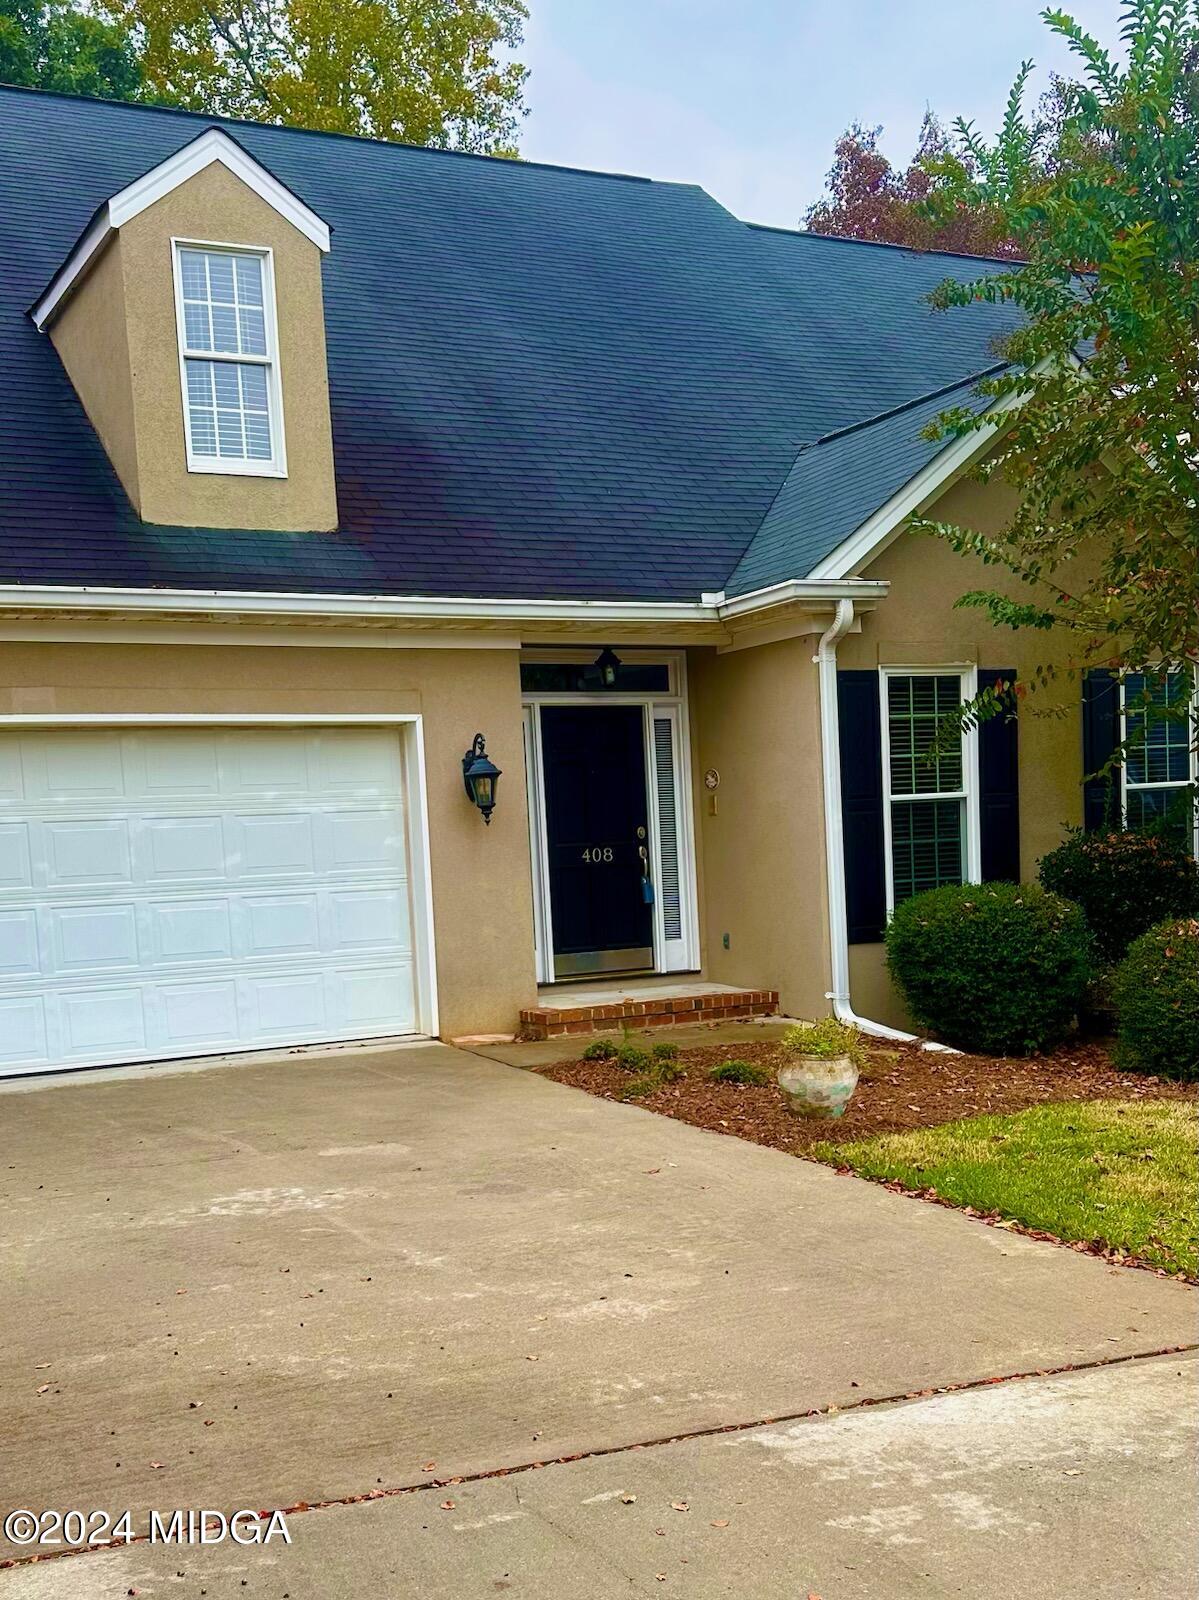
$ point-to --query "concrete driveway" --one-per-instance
(312, 1279)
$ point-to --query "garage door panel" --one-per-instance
(89, 850)
(364, 919)
(361, 841)
(15, 856)
(92, 938)
(168, 765)
(208, 889)
(74, 766)
(23, 1032)
(180, 849)
(195, 1016)
(350, 760)
(365, 997)
(274, 924)
(19, 948)
(266, 762)
(272, 844)
(101, 1021)
(189, 931)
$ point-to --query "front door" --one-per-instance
(597, 836)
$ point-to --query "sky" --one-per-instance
(748, 97)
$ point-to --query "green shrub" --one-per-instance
(738, 1072)
(1125, 883)
(600, 1050)
(825, 1039)
(999, 968)
(638, 1087)
(670, 1071)
(665, 1052)
(1156, 991)
(632, 1058)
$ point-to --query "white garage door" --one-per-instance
(169, 892)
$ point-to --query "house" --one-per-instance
(320, 457)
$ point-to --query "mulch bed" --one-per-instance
(902, 1087)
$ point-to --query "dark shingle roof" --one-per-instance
(543, 382)
(835, 484)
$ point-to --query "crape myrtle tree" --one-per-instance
(1101, 394)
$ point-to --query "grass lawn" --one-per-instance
(1121, 1174)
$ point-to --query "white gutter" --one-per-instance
(399, 608)
(834, 837)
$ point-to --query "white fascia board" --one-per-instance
(213, 145)
(399, 608)
(403, 608)
(873, 536)
(824, 591)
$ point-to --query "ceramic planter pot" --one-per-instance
(818, 1086)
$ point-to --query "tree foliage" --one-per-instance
(54, 44)
(430, 72)
(1101, 394)
(868, 198)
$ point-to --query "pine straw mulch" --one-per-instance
(902, 1087)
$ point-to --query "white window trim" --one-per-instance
(972, 854)
(1193, 780)
(276, 467)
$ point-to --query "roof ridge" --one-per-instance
(883, 244)
(215, 120)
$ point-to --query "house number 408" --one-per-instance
(596, 855)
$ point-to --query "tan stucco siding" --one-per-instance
(90, 336)
(756, 720)
(482, 906)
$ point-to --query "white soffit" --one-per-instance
(213, 145)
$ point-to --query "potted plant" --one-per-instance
(820, 1071)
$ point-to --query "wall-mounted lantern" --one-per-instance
(608, 666)
(480, 775)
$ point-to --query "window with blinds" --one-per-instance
(1159, 767)
(926, 783)
(229, 366)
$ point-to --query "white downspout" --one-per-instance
(834, 840)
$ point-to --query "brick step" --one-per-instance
(553, 1022)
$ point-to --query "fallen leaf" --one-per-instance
(157, 1465)
(679, 1505)
(721, 1522)
(42, 1388)
(628, 1499)
(428, 1466)
(447, 1505)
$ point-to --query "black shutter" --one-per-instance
(999, 786)
(1100, 737)
(862, 805)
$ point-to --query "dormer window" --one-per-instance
(228, 355)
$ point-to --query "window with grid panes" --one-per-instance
(226, 337)
(1159, 778)
(926, 790)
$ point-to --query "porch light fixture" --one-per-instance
(608, 665)
(480, 775)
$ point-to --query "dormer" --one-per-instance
(189, 318)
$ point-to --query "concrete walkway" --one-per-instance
(1080, 1487)
(300, 1281)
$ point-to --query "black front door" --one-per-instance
(597, 828)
